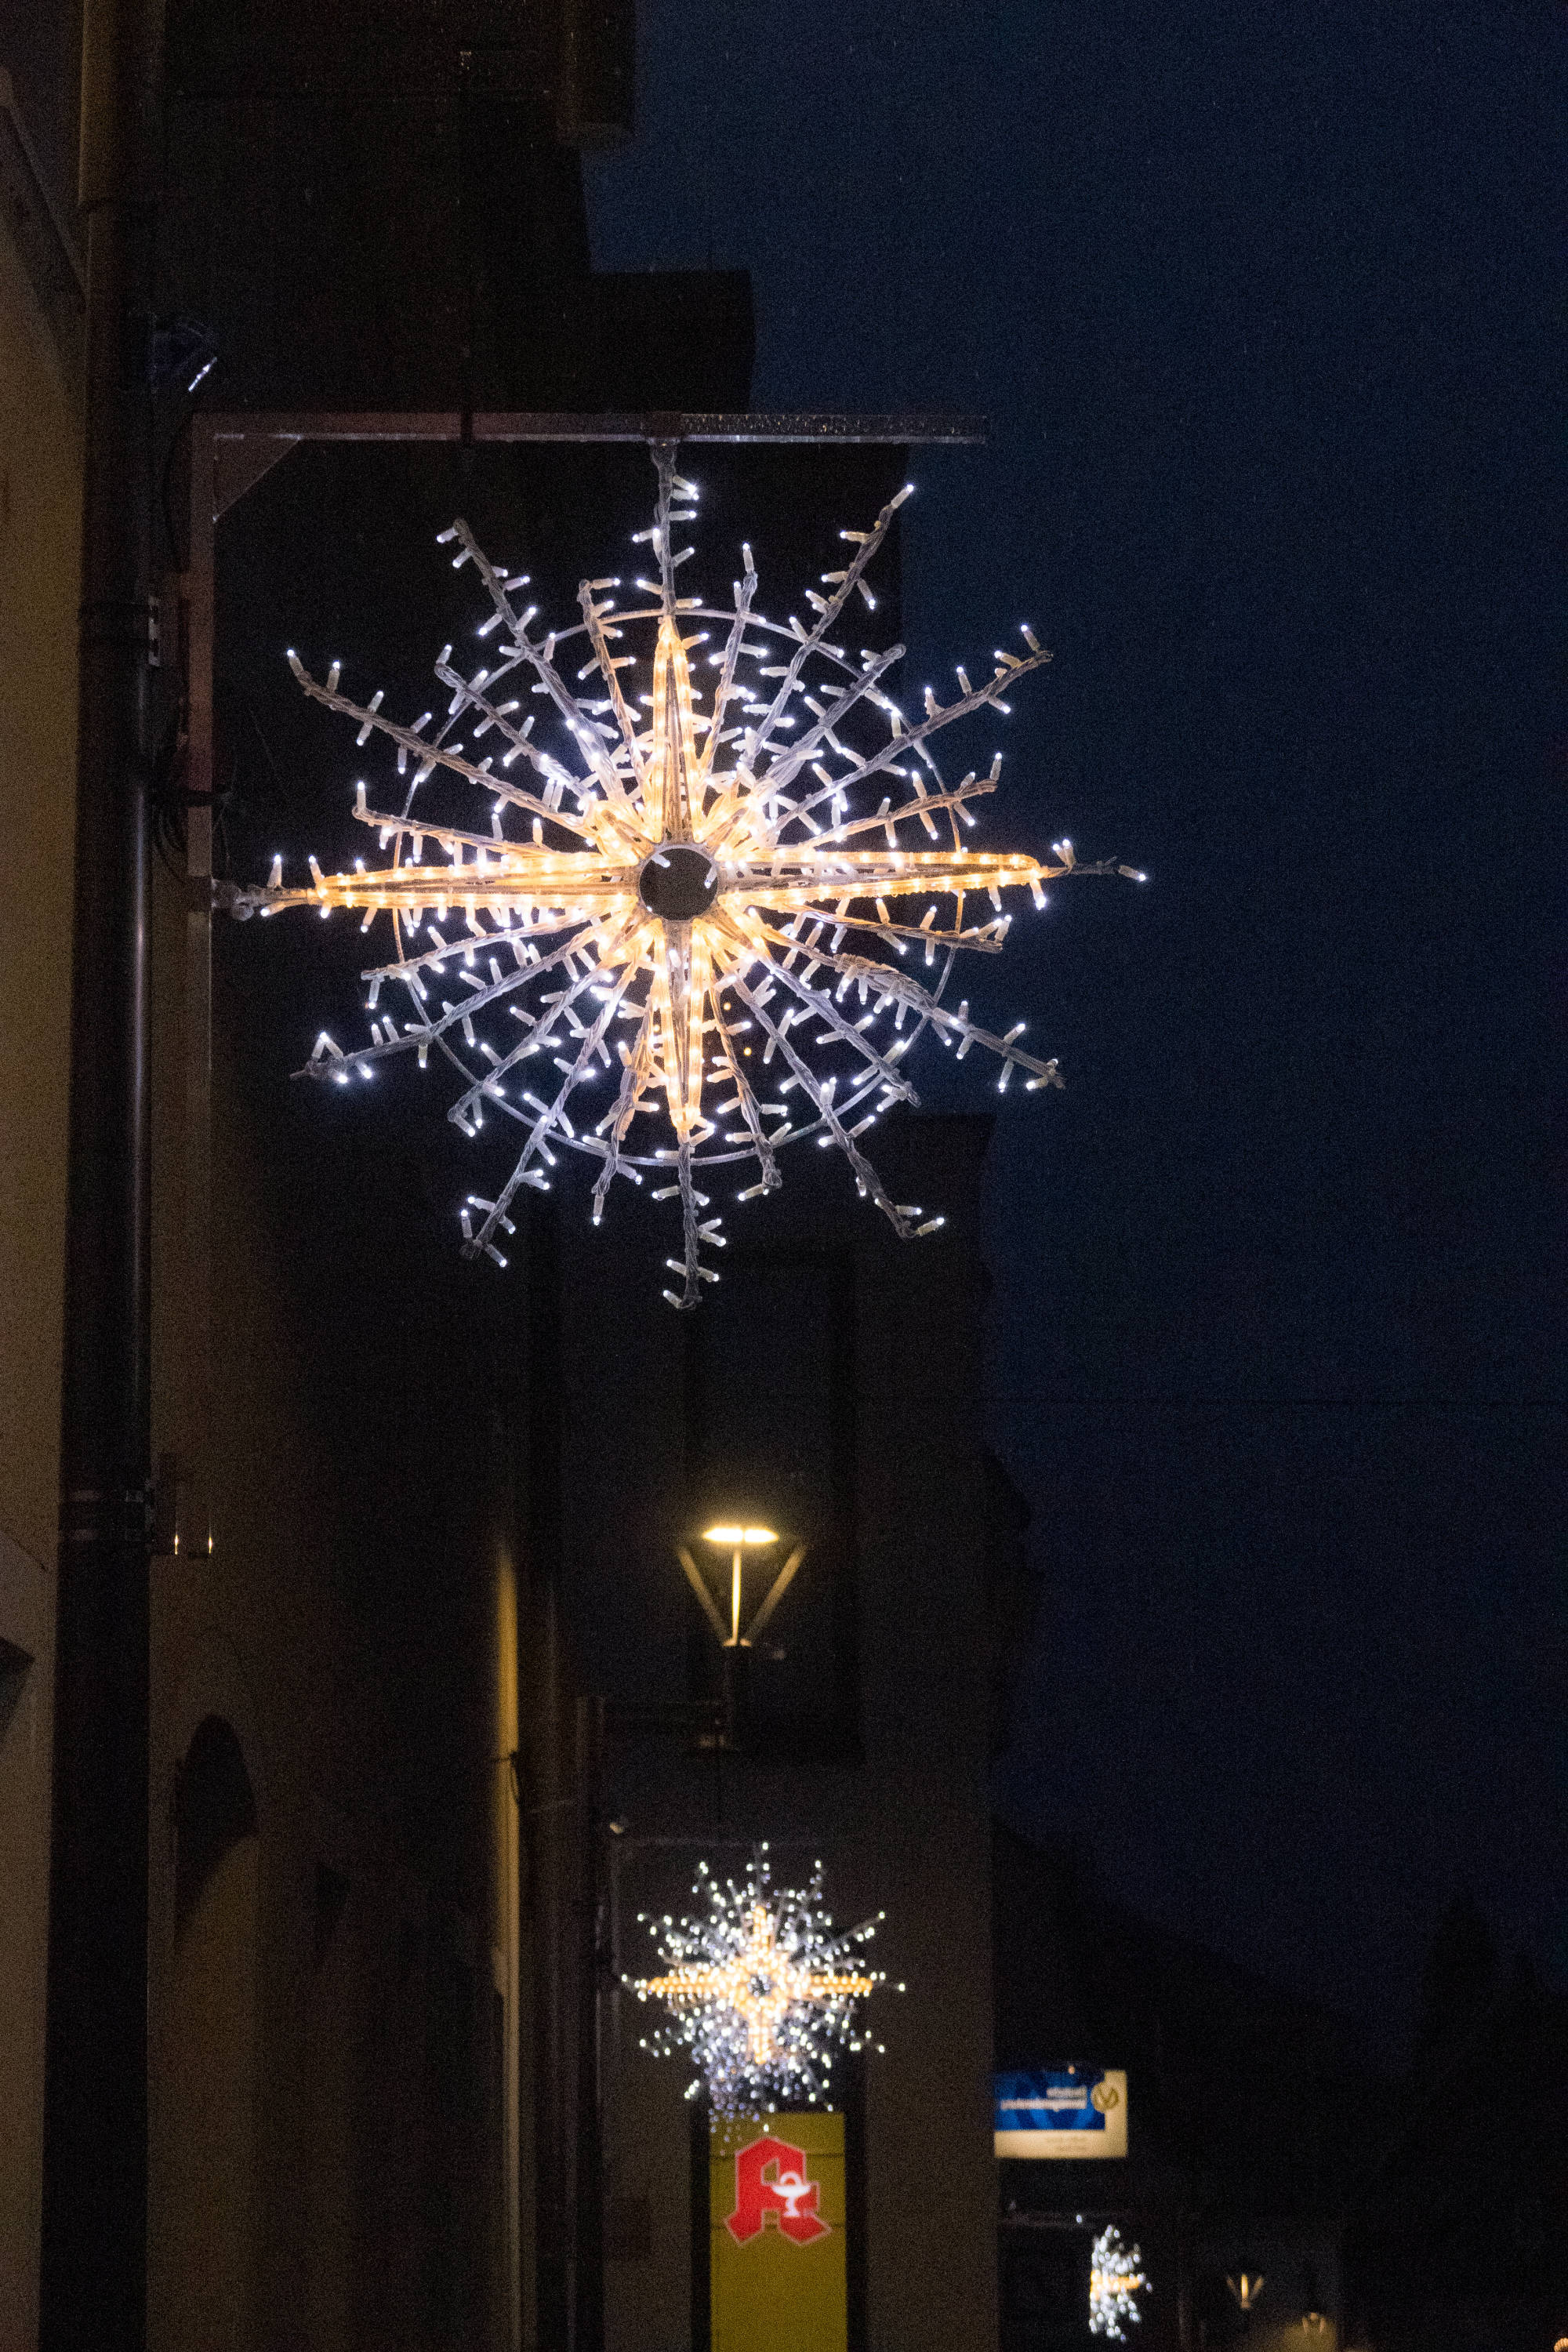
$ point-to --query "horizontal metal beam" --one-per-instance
(245, 445)
(913, 427)
(666, 1719)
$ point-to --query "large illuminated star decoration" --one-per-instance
(1115, 2281)
(679, 939)
(759, 1990)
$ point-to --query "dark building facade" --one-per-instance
(834, 1393)
(1459, 2228)
(1398, 2205)
(409, 1513)
(1246, 2114)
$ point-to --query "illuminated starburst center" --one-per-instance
(706, 914)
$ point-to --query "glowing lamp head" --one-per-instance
(731, 1537)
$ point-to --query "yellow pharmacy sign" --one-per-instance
(778, 2275)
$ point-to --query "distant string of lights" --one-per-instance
(677, 941)
(760, 1992)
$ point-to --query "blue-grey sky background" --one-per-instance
(1260, 304)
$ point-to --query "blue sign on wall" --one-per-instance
(1076, 2112)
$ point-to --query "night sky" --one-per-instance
(1259, 301)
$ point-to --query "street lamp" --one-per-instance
(737, 1537)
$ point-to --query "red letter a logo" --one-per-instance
(789, 2198)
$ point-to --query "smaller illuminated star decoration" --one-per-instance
(759, 1990)
(672, 929)
(1115, 2281)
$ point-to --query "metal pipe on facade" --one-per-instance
(588, 2332)
(550, 1846)
(93, 2281)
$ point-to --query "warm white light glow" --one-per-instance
(757, 1991)
(695, 911)
(738, 1536)
(1115, 2282)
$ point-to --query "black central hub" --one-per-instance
(678, 882)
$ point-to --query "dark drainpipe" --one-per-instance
(93, 2281)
